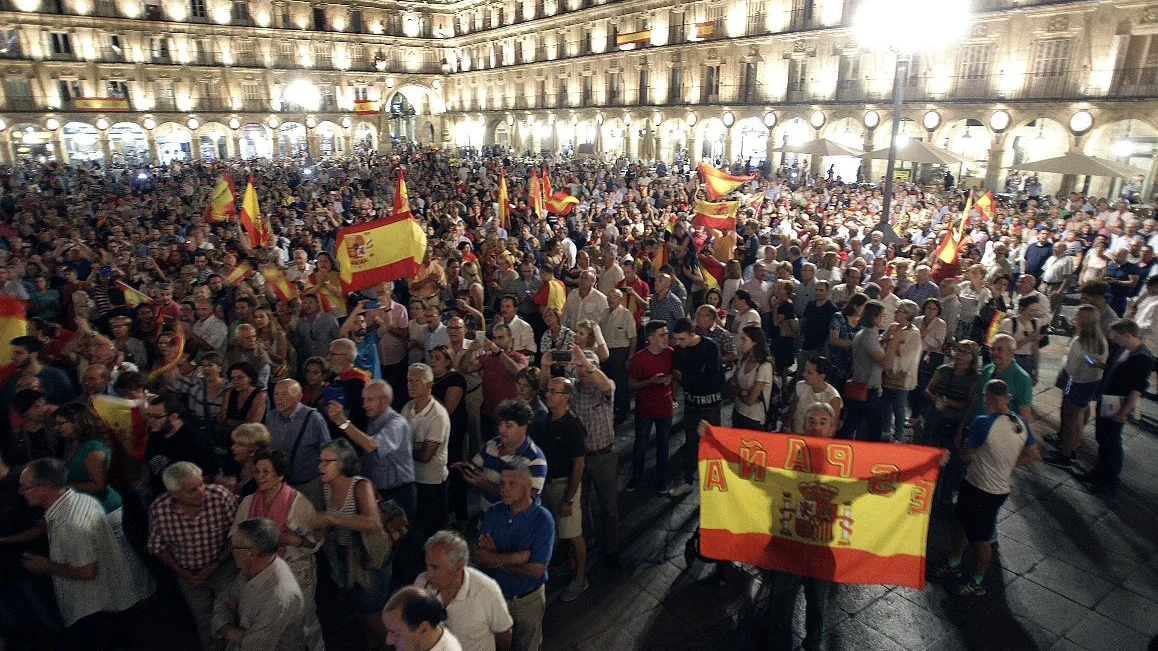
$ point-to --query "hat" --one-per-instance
(1041, 227)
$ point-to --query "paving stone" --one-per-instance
(1016, 556)
(1131, 609)
(854, 598)
(1042, 606)
(655, 629)
(856, 633)
(903, 621)
(1065, 579)
(1096, 631)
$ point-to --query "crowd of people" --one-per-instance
(406, 465)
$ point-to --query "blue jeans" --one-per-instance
(895, 409)
(639, 452)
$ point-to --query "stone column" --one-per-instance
(106, 150)
(728, 147)
(993, 164)
(7, 153)
(60, 150)
(236, 141)
(195, 147)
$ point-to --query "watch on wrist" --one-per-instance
(344, 426)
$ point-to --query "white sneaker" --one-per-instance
(574, 589)
(683, 488)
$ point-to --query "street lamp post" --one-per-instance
(897, 26)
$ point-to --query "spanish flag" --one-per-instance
(553, 293)
(986, 206)
(537, 203)
(221, 202)
(559, 203)
(950, 247)
(250, 218)
(126, 419)
(842, 511)
(13, 324)
(171, 362)
(632, 38)
(239, 273)
(133, 297)
(659, 258)
(276, 280)
(719, 183)
(719, 215)
(504, 212)
(994, 328)
(384, 249)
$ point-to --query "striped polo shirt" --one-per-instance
(492, 463)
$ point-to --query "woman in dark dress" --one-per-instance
(450, 390)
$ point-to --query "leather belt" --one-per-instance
(607, 450)
(524, 595)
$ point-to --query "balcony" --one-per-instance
(23, 104)
(1136, 82)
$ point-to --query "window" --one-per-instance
(748, 88)
(676, 88)
(643, 87)
(1051, 57)
(327, 94)
(797, 78)
(356, 24)
(588, 90)
(711, 87)
(69, 89)
(285, 54)
(562, 99)
(197, 10)
(252, 94)
(117, 88)
(18, 93)
(240, 11)
(163, 91)
(320, 19)
(1140, 67)
(10, 43)
(757, 19)
(243, 52)
(61, 43)
(914, 74)
(361, 93)
(159, 46)
(614, 88)
(848, 75)
(975, 61)
(323, 55)
(358, 57)
(116, 48)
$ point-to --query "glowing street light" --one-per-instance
(894, 25)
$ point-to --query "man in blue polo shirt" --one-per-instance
(516, 539)
(483, 472)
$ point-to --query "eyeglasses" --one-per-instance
(25, 489)
(321, 460)
(155, 416)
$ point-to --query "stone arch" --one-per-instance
(81, 141)
(174, 142)
(365, 137)
(750, 140)
(255, 141)
(213, 141)
(129, 144)
(1037, 139)
(1130, 141)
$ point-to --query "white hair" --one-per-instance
(452, 542)
(424, 369)
(176, 474)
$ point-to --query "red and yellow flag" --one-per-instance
(633, 38)
(559, 203)
(250, 218)
(842, 511)
(950, 247)
(704, 31)
(170, 363)
(278, 283)
(719, 183)
(553, 293)
(994, 328)
(383, 249)
(504, 212)
(986, 206)
(222, 201)
(126, 419)
(133, 297)
(537, 203)
(720, 215)
(239, 273)
(365, 107)
(13, 324)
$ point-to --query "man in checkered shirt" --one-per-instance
(189, 531)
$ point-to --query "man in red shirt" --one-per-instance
(499, 363)
(650, 375)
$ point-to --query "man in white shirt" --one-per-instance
(414, 622)
(888, 298)
(759, 289)
(263, 608)
(584, 303)
(301, 268)
(430, 425)
(1055, 276)
(209, 328)
(611, 274)
(522, 333)
(476, 611)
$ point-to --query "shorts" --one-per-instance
(1081, 394)
(554, 491)
(977, 511)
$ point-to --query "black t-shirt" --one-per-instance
(1124, 376)
(816, 321)
(15, 516)
(184, 445)
(702, 372)
(562, 441)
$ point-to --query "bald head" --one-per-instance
(287, 394)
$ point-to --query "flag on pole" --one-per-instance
(278, 283)
(133, 297)
(384, 249)
(719, 215)
(986, 206)
(537, 203)
(950, 247)
(251, 220)
(126, 419)
(504, 212)
(841, 511)
(239, 273)
(560, 203)
(719, 183)
(222, 201)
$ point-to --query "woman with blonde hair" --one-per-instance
(1084, 363)
(472, 278)
(589, 336)
(248, 440)
(282, 357)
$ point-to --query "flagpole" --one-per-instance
(899, 78)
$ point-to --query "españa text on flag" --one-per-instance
(843, 511)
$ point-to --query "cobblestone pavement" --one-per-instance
(1072, 571)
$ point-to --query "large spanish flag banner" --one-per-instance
(384, 249)
(842, 511)
(504, 213)
(720, 215)
(719, 183)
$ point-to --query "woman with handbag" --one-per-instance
(842, 329)
(862, 391)
(1084, 365)
(752, 382)
(352, 526)
(294, 516)
(901, 377)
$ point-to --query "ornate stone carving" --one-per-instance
(1058, 24)
(1149, 15)
(980, 31)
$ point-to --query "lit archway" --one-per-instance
(401, 115)
(291, 140)
(213, 138)
(712, 140)
(614, 138)
(675, 137)
(365, 138)
(751, 141)
(849, 132)
(331, 139)
(33, 142)
(585, 134)
(174, 142)
(129, 144)
(1132, 142)
(255, 141)
(1033, 141)
(81, 142)
(972, 140)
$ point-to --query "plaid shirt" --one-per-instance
(194, 543)
(595, 410)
